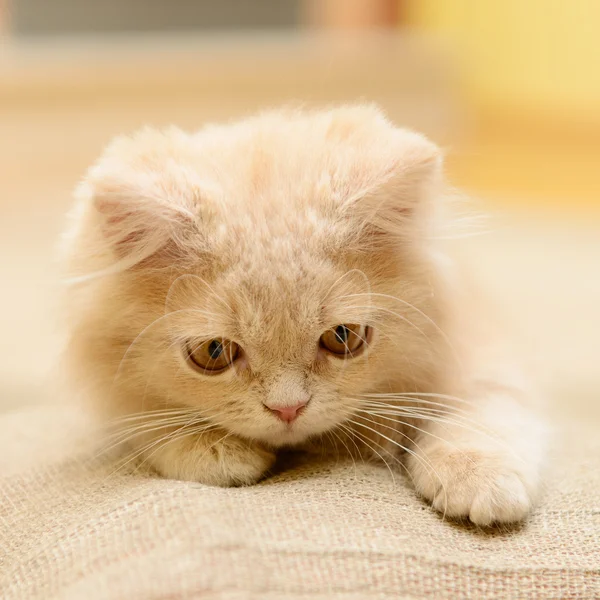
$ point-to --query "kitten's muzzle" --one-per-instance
(288, 413)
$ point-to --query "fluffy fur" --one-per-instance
(269, 232)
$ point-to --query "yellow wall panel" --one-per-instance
(534, 54)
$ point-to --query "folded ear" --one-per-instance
(391, 190)
(143, 199)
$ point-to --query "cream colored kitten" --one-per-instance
(280, 282)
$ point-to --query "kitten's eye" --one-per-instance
(213, 355)
(344, 340)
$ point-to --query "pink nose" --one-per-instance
(288, 413)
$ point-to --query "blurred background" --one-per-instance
(510, 89)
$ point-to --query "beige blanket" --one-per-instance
(71, 528)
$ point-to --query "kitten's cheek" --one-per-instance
(241, 365)
(322, 357)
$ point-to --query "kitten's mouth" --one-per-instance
(304, 426)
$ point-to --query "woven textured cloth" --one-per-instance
(72, 528)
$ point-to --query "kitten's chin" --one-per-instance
(290, 437)
(282, 435)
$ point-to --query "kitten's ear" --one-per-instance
(142, 199)
(395, 191)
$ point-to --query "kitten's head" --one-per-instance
(267, 272)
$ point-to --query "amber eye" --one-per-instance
(213, 355)
(344, 340)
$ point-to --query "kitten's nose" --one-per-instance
(288, 413)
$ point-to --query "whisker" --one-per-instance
(448, 408)
(413, 412)
(170, 437)
(129, 434)
(423, 460)
(173, 438)
(399, 422)
(333, 443)
(425, 316)
(424, 431)
(401, 317)
(424, 410)
(154, 367)
(340, 438)
(365, 440)
(145, 330)
(150, 414)
(435, 414)
(221, 439)
(139, 425)
(350, 435)
(402, 447)
(426, 395)
(341, 277)
(199, 424)
(428, 403)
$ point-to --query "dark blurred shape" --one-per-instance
(57, 17)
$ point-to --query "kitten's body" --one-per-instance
(269, 233)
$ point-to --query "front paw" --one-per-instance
(214, 459)
(485, 487)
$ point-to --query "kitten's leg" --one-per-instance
(214, 458)
(486, 468)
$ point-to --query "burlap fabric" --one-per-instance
(73, 529)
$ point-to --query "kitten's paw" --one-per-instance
(485, 487)
(237, 462)
(215, 460)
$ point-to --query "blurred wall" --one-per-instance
(531, 87)
(534, 55)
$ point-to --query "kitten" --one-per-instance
(279, 282)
